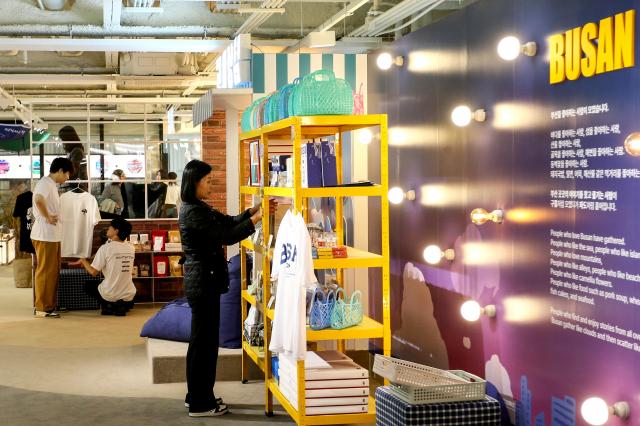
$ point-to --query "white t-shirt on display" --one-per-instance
(293, 266)
(115, 260)
(173, 194)
(43, 230)
(79, 214)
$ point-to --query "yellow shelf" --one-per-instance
(325, 419)
(355, 259)
(367, 329)
(249, 297)
(286, 136)
(256, 357)
(328, 192)
(316, 125)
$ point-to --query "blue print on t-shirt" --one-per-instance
(289, 253)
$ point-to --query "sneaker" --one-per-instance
(218, 411)
(43, 314)
(119, 308)
(61, 309)
(106, 309)
(219, 401)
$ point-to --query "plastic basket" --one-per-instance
(283, 99)
(321, 93)
(248, 121)
(346, 314)
(473, 389)
(321, 309)
(401, 372)
(271, 109)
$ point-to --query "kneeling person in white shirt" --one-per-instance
(115, 259)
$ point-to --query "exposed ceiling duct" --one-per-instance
(257, 19)
(397, 14)
(112, 45)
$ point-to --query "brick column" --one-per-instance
(214, 151)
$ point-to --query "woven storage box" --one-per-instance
(393, 411)
(401, 372)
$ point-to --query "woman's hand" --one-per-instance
(257, 216)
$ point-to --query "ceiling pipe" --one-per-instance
(112, 45)
(132, 31)
(257, 19)
(392, 16)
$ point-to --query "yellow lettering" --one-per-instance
(588, 63)
(605, 47)
(556, 59)
(624, 55)
(572, 53)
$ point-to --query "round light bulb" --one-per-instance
(365, 137)
(509, 48)
(471, 310)
(595, 411)
(432, 254)
(479, 216)
(384, 61)
(461, 116)
(632, 144)
(395, 195)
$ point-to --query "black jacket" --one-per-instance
(204, 231)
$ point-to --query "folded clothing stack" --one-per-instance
(334, 384)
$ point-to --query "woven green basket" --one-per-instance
(321, 93)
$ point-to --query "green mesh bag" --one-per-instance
(321, 93)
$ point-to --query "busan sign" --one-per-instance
(593, 49)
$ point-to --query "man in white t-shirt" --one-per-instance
(46, 235)
(115, 259)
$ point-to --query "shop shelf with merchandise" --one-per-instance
(148, 286)
(285, 137)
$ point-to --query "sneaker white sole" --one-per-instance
(210, 413)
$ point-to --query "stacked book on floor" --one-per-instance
(334, 383)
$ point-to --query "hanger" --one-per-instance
(77, 188)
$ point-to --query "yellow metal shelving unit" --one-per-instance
(286, 136)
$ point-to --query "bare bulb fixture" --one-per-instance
(481, 216)
(365, 136)
(433, 254)
(632, 144)
(396, 195)
(509, 48)
(472, 311)
(596, 411)
(385, 61)
(462, 115)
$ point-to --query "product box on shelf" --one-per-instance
(175, 268)
(311, 165)
(174, 236)
(161, 266)
(173, 247)
(159, 238)
(329, 171)
(255, 171)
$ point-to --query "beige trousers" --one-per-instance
(47, 272)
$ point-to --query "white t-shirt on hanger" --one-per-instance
(43, 230)
(293, 267)
(115, 260)
(79, 214)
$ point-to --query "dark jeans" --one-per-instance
(202, 355)
(91, 288)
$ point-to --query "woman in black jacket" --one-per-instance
(204, 231)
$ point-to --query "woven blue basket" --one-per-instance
(347, 314)
(283, 99)
(321, 309)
